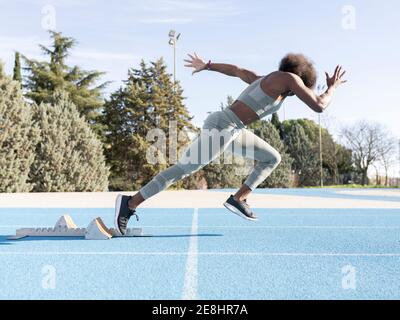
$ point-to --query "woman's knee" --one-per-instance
(188, 169)
(278, 158)
(270, 158)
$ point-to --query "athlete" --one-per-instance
(296, 76)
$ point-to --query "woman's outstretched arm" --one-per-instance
(234, 71)
(317, 103)
(228, 69)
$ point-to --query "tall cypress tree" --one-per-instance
(275, 120)
(146, 102)
(17, 68)
(69, 157)
(18, 137)
(44, 78)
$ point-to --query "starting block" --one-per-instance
(65, 227)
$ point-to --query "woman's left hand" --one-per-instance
(337, 78)
(197, 63)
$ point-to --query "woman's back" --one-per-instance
(256, 96)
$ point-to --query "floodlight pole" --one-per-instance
(174, 63)
(398, 179)
(173, 39)
(320, 151)
(320, 88)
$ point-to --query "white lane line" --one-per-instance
(303, 227)
(193, 275)
(280, 227)
(243, 227)
(190, 280)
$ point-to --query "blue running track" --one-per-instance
(209, 253)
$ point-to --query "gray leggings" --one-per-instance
(222, 130)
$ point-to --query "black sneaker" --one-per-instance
(123, 213)
(241, 208)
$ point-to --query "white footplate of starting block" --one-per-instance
(65, 227)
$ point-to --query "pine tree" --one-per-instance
(145, 103)
(69, 157)
(281, 176)
(44, 78)
(17, 68)
(18, 137)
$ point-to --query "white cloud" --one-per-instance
(23, 44)
(230, 56)
(179, 11)
(91, 54)
(85, 57)
(27, 46)
(189, 6)
(165, 21)
(57, 3)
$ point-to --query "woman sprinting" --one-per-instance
(264, 96)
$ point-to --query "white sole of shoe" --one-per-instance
(231, 208)
(117, 208)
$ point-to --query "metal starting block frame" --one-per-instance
(65, 227)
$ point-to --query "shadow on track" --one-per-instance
(5, 241)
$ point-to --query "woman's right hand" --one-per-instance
(336, 79)
(197, 63)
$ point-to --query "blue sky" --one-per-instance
(114, 35)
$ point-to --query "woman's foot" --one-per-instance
(241, 208)
(123, 213)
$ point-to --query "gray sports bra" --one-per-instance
(262, 104)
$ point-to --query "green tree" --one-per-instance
(344, 164)
(305, 159)
(69, 157)
(365, 139)
(44, 78)
(275, 121)
(17, 68)
(311, 129)
(229, 101)
(18, 137)
(281, 176)
(224, 173)
(146, 103)
(329, 163)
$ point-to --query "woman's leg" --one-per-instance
(242, 193)
(218, 133)
(135, 201)
(249, 145)
(207, 146)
